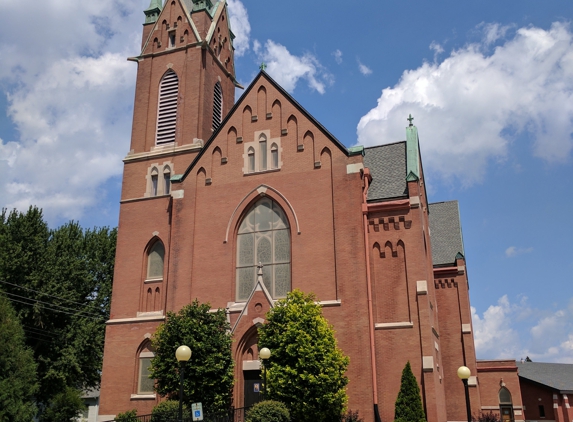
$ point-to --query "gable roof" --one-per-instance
(554, 375)
(387, 164)
(445, 232)
(287, 96)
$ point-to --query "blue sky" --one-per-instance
(489, 83)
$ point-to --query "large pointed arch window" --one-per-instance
(263, 237)
(167, 109)
(155, 261)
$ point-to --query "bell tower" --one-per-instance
(186, 75)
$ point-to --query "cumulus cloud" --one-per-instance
(337, 56)
(240, 26)
(70, 93)
(549, 333)
(365, 70)
(472, 105)
(287, 69)
(514, 251)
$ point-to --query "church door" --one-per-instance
(506, 413)
(253, 388)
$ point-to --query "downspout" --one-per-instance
(367, 177)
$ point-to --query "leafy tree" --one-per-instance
(409, 402)
(306, 370)
(209, 372)
(18, 382)
(65, 406)
(59, 281)
(268, 411)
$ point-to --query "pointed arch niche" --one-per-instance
(167, 108)
(390, 284)
(263, 238)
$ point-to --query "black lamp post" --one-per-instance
(183, 354)
(464, 373)
(264, 353)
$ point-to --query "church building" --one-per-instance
(215, 189)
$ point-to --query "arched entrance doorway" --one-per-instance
(505, 405)
(249, 385)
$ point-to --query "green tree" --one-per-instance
(409, 402)
(64, 407)
(18, 382)
(209, 372)
(306, 370)
(59, 281)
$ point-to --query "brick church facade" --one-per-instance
(212, 188)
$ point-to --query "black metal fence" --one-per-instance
(233, 415)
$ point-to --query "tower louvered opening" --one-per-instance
(167, 110)
(217, 106)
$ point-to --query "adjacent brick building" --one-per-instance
(212, 189)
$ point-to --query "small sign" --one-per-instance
(197, 411)
(257, 387)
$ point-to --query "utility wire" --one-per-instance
(57, 310)
(53, 305)
(42, 293)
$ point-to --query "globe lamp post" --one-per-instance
(264, 353)
(464, 373)
(183, 354)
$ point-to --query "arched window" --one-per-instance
(274, 156)
(155, 261)
(154, 181)
(166, 180)
(504, 396)
(251, 154)
(217, 106)
(167, 109)
(263, 237)
(263, 152)
(144, 383)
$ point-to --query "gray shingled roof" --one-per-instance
(387, 164)
(555, 375)
(445, 232)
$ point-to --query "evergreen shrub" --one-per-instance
(168, 411)
(268, 411)
(129, 416)
(409, 402)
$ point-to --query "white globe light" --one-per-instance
(264, 353)
(183, 353)
(464, 372)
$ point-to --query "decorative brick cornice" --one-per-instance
(389, 222)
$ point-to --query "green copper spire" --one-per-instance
(153, 11)
(202, 4)
(412, 152)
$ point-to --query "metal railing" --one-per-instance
(233, 415)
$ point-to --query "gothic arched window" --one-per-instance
(144, 383)
(167, 108)
(217, 106)
(155, 261)
(263, 237)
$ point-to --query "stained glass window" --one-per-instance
(264, 237)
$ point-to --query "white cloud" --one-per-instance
(515, 330)
(337, 56)
(365, 70)
(287, 69)
(240, 26)
(514, 251)
(70, 93)
(472, 105)
(493, 32)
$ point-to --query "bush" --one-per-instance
(409, 402)
(64, 406)
(168, 411)
(129, 416)
(351, 416)
(268, 411)
(486, 417)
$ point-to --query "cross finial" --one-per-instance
(263, 66)
(260, 267)
(410, 118)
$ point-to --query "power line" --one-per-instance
(52, 304)
(56, 310)
(42, 293)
